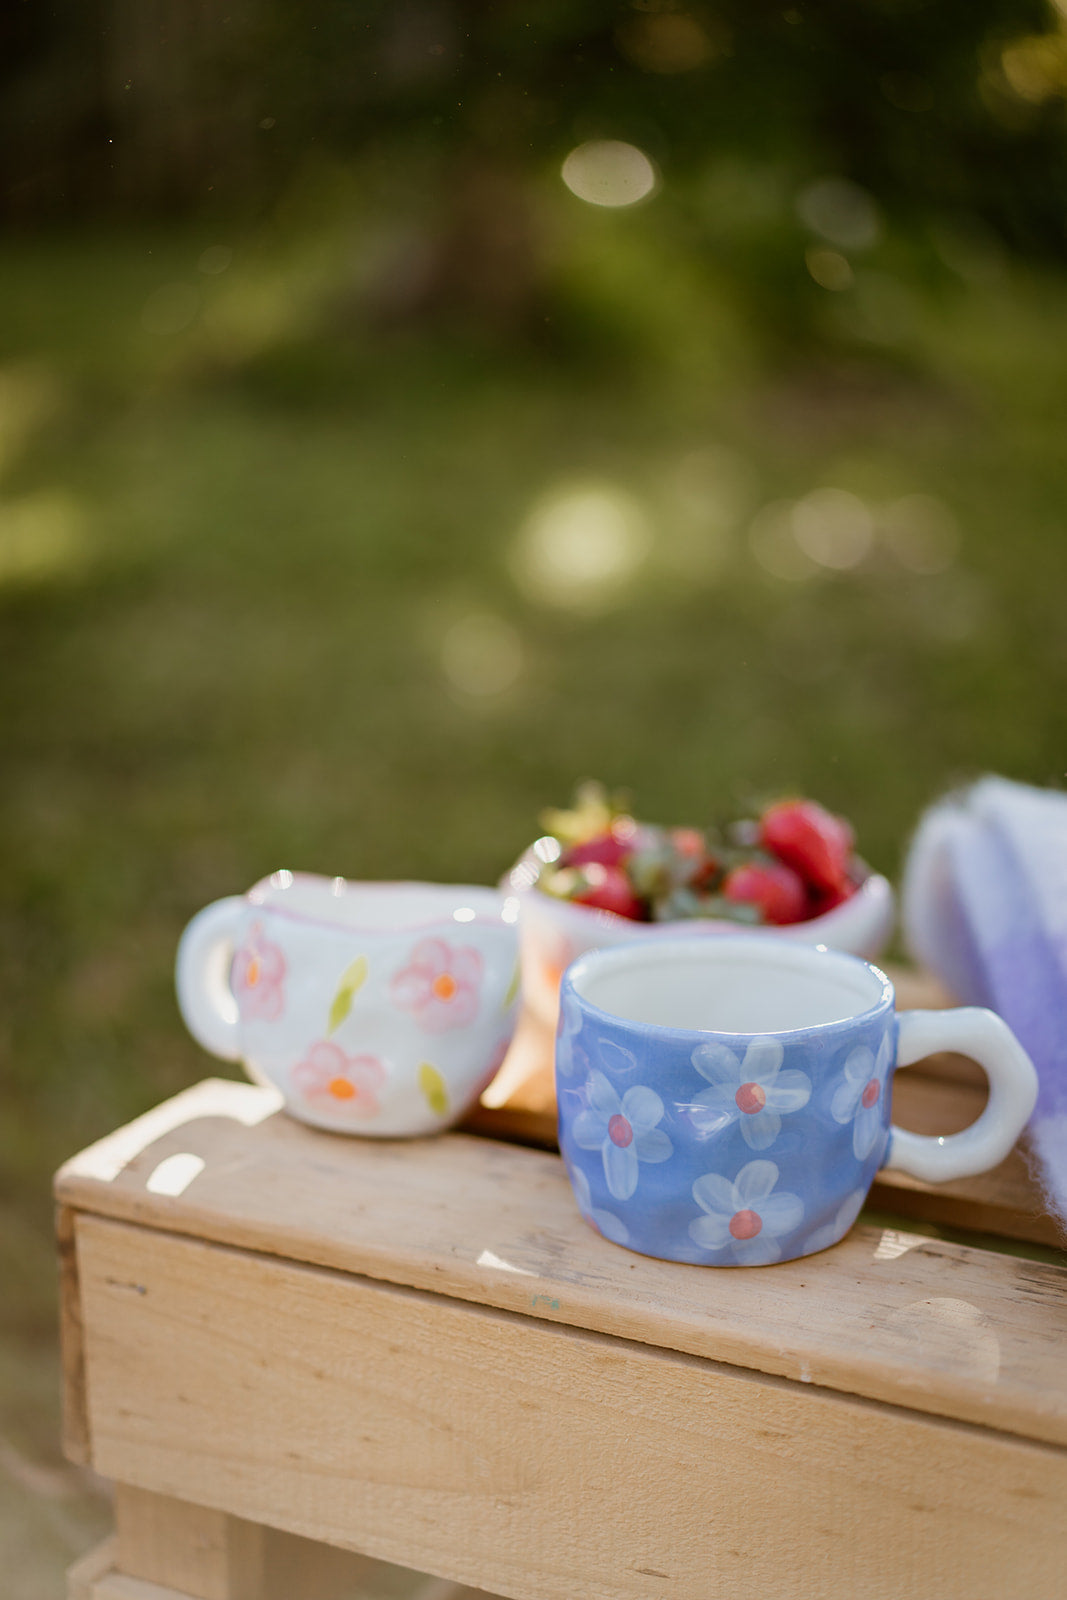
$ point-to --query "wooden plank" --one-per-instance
(199, 1551)
(923, 1322)
(115, 1585)
(543, 1463)
(75, 1438)
(293, 1569)
(96, 1563)
(210, 1555)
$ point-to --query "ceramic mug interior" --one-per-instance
(729, 985)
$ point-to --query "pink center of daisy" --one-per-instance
(750, 1098)
(620, 1131)
(745, 1224)
(871, 1093)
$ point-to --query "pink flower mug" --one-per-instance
(381, 1009)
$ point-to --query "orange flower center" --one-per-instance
(252, 975)
(342, 1089)
(444, 986)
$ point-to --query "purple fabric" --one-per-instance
(985, 907)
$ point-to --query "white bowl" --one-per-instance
(552, 933)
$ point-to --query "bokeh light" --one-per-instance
(481, 655)
(921, 533)
(829, 268)
(607, 172)
(829, 529)
(671, 41)
(42, 536)
(841, 212)
(1036, 67)
(773, 542)
(833, 528)
(581, 545)
(30, 396)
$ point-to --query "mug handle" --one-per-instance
(202, 977)
(986, 1038)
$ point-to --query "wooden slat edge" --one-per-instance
(93, 1565)
(852, 1370)
(75, 1440)
(113, 1585)
(981, 1205)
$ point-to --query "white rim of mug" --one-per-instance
(402, 930)
(620, 954)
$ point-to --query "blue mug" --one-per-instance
(726, 1100)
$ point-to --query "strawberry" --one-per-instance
(695, 864)
(688, 841)
(609, 849)
(607, 888)
(811, 840)
(776, 889)
(822, 903)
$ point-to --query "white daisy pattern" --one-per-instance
(623, 1130)
(755, 1092)
(570, 1055)
(605, 1222)
(745, 1217)
(859, 1097)
(842, 1220)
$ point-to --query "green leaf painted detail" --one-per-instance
(513, 987)
(433, 1087)
(352, 980)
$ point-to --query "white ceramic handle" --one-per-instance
(202, 977)
(971, 1031)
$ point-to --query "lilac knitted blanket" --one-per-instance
(985, 907)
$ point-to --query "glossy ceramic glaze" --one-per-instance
(553, 933)
(377, 1009)
(726, 1100)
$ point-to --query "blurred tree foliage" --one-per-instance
(168, 106)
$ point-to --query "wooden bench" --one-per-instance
(285, 1347)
